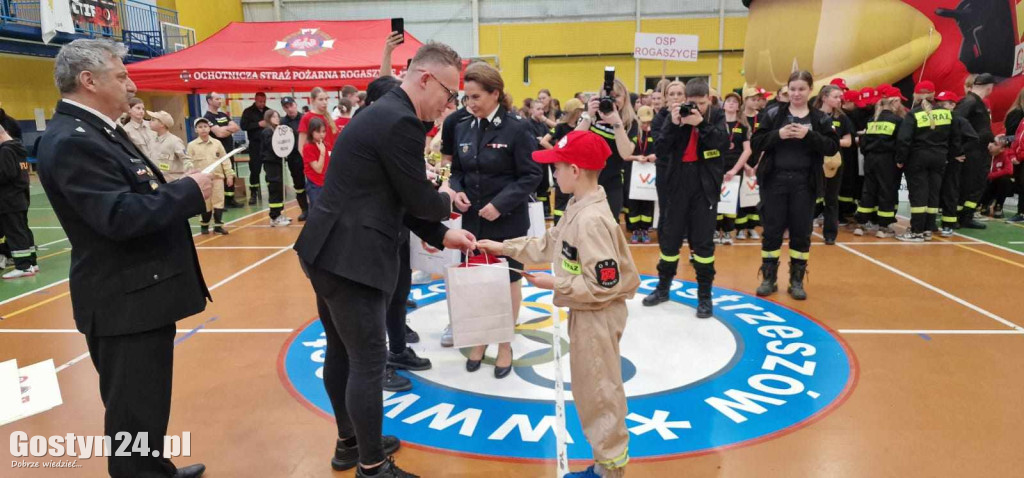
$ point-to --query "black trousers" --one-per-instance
(997, 191)
(949, 193)
(275, 186)
(255, 164)
(136, 373)
(881, 190)
(1018, 178)
(852, 185)
(353, 317)
(690, 216)
(19, 239)
(924, 180)
(396, 314)
(561, 201)
(787, 203)
(298, 181)
(229, 192)
(973, 177)
(614, 192)
(662, 187)
(830, 206)
(544, 187)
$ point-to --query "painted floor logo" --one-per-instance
(757, 370)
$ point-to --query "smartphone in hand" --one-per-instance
(398, 26)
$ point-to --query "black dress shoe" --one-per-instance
(411, 337)
(502, 372)
(655, 298)
(411, 304)
(394, 382)
(191, 471)
(388, 469)
(830, 241)
(407, 360)
(302, 217)
(347, 457)
(704, 309)
(472, 365)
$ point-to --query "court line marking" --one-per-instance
(931, 332)
(238, 248)
(1001, 259)
(997, 246)
(242, 226)
(865, 243)
(215, 286)
(33, 291)
(933, 288)
(180, 331)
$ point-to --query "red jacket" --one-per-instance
(1002, 165)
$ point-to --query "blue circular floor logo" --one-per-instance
(757, 370)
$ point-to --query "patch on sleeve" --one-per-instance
(570, 252)
(607, 272)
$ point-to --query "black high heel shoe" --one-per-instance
(474, 365)
(502, 372)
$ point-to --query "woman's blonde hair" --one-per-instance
(924, 100)
(1018, 104)
(627, 113)
(889, 104)
(489, 78)
(327, 114)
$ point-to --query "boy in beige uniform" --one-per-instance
(204, 151)
(168, 150)
(594, 276)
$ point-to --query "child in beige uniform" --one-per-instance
(594, 276)
(168, 150)
(204, 151)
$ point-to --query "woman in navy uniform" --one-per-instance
(493, 175)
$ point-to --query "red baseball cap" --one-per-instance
(892, 92)
(947, 96)
(584, 149)
(925, 87)
(865, 97)
(851, 96)
(840, 83)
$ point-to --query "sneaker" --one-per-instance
(946, 231)
(588, 473)
(35, 269)
(884, 232)
(754, 236)
(280, 221)
(420, 278)
(718, 237)
(997, 213)
(204, 230)
(20, 273)
(4, 261)
(871, 227)
(727, 239)
(411, 337)
(220, 230)
(347, 457)
(1016, 219)
(407, 360)
(645, 236)
(859, 231)
(927, 235)
(446, 337)
(387, 470)
(635, 237)
(742, 235)
(394, 382)
(910, 237)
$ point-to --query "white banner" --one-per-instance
(660, 46)
(641, 182)
(750, 192)
(730, 197)
(55, 16)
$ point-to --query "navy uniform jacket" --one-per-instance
(376, 182)
(133, 263)
(822, 139)
(712, 141)
(498, 170)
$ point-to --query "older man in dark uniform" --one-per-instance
(350, 247)
(134, 269)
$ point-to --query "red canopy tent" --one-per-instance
(276, 56)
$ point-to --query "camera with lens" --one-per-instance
(607, 99)
(687, 109)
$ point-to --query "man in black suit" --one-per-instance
(349, 247)
(134, 269)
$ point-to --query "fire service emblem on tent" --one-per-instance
(305, 42)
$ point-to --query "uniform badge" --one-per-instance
(465, 147)
(79, 129)
(570, 252)
(497, 121)
(141, 171)
(153, 184)
(607, 273)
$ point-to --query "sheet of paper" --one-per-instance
(209, 169)
(40, 115)
(39, 390)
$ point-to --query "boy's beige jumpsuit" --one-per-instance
(594, 276)
(205, 153)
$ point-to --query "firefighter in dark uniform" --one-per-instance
(880, 196)
(493, 174)
(616, 128)
(979, 159)
(674, 93)
(223, 129)
(291, 118)
(795, 139)
(925, 140)
(14, 202)
(949, 195)
(253, 125)
(693, 140)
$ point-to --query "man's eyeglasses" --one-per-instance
(453, 96)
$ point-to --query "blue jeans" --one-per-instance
(312, 192)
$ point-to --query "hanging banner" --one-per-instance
(97, 12)
(55, 16)
(659, 46)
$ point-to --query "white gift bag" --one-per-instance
(537, 224)
(750, 192)
(480, 304)
(729, 200)
(641, 182)
(423, 257)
